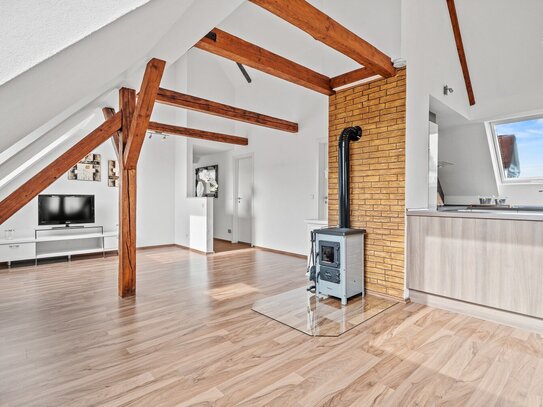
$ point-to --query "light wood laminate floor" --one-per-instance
(220, 246)
(191, 338)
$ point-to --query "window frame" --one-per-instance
(498, 155)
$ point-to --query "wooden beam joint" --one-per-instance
(109, 112)
(142, 113)
(320, 26)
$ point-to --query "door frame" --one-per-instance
(235, 165)
(321, 141)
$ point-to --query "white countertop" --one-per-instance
(479, 214)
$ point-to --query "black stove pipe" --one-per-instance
(347, 135)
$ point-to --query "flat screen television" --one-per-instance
(65, 209)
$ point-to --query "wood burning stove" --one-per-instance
(340, 251)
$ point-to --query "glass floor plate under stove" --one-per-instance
(316, 316)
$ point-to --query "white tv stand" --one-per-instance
(58, 242)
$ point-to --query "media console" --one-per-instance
(58, 242)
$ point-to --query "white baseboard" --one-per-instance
(479, 311)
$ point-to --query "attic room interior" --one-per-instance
(271, 202)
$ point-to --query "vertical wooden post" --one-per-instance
(127, 201)
(135, 122)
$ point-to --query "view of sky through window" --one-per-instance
(527, 160)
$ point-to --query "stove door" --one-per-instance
(329, 254)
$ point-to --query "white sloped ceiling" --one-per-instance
(80, 78)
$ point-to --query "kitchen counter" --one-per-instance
(491, 258)
(505, 214)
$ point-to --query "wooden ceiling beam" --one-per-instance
(229, 46)
(127, 105)
(142, 114)
(320, 26)
(109, 112)
(31, 188)
(351, 77)
(460, 48)
(173, 98)
(197, 134)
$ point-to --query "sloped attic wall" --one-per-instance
(471, 175)
(59, 101)
(37, 30)
(505, 68)
(82, 75)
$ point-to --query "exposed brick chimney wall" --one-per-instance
(377, 184)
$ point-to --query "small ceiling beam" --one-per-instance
(173, 98)
(320, 26)
(460, 48)
(351, 78)
(197, 134)
(142, 114)
(31, 188)
(228, 46)
(109, 112)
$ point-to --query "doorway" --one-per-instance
(242, 225)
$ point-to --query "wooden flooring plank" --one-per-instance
(191, 338)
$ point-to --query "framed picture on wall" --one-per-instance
(207, 181)
(112, 173)
(88, 169)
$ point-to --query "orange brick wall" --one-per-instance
(377, 183)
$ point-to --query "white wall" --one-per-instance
(285, 189)
(505, 64)
(472, 174)
(432, 61)
(155, 196)
(26, 220)
(523, 194)
(495, 58)
(285, 164)
(35, 30)
(155, 206)
(81, 82)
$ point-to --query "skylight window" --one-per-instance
(519, 147)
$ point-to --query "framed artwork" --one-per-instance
(88, 169)
(112, 173)
(207, 181)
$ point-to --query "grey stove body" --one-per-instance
(340, 262)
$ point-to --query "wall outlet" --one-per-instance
(229, 230)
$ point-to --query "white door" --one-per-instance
(244, 200)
